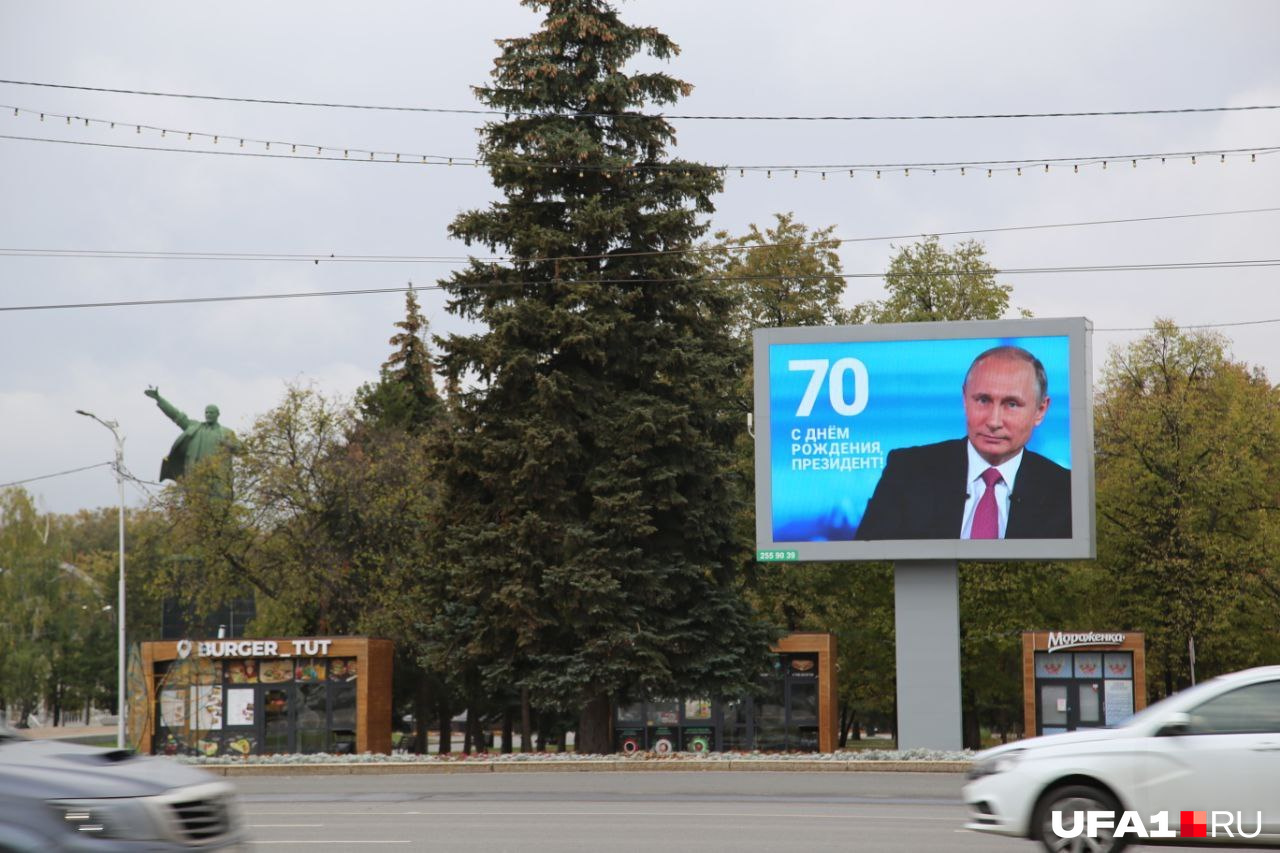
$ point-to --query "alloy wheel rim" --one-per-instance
(1080, 843)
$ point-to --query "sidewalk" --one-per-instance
(64, 732)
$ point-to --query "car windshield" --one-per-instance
(1151, 712)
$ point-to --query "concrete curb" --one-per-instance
(626, 765)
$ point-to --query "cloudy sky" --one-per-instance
(822, 57)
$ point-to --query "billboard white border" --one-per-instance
(1083, 543)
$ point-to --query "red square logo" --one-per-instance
(1194, 824)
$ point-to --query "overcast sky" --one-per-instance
(822, 57)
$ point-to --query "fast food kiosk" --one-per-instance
(264, 696)
(795, 710)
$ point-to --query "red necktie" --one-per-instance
(986, 518)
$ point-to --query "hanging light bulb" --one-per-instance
(293, 149)
(742, 173)
(1135, 163)
(1046, 168)
(1193, 159)
(1224, 159)
(1253, 158)
(824, 176)
(962, 171)
(215, 140)
(42, 116)
(241, 143)
(268, 146)
(188, 136)
(988, 173)
(68, 119)
(1075, 167)
(1019, 171)
(768, 173)
(345, 153)
(906, 173)
(851, 173)
(162, 132)
(139, 129)
(877, 174)
(1104, 165)
(795, 173)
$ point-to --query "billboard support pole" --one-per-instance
(927, 622)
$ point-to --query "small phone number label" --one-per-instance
(776, 556)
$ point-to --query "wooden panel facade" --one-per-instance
(824, 646)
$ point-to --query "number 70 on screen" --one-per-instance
(835, 377)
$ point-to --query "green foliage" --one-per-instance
(926, 282)
(57, 643)
(1188, 457)
(319, 526)
(589, 501)
(787, 275)
(404, 398)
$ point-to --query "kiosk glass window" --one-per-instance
(1089, 702)
(343, 728)
(737, 719)
(275, 707)
(312, 717)
(1053, 665)
(1118, 665)
(1053, 707)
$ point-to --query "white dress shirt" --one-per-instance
(976, 487)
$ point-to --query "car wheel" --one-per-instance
(1069, 799)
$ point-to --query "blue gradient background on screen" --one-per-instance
(914, 398)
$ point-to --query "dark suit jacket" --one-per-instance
(922, 492)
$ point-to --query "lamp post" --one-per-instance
(121, 701)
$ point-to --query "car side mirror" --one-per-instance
(1177, 724)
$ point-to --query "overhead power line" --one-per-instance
(732, 279)
(673, 116)
(330, 257)
(58, 474)
(823, 170)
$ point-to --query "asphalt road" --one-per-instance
(653, 811)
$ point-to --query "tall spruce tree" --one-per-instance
(404, 398)
(589, 476)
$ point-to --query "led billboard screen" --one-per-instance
(964, 440)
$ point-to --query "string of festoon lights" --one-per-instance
(285, 149)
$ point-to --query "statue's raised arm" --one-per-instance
(171, 411)
(199, 439)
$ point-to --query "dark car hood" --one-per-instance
(50, 769)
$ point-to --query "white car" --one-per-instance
(1211, 751)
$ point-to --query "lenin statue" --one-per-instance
(199, 439)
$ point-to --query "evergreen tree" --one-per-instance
(589, 490)
(405, 396)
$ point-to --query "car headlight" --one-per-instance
(996, 764)
(112, 818)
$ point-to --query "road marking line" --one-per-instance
(607, 813)
(283, 825)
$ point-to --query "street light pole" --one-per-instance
(121, 699)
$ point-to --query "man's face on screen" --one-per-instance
(1002, 406)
